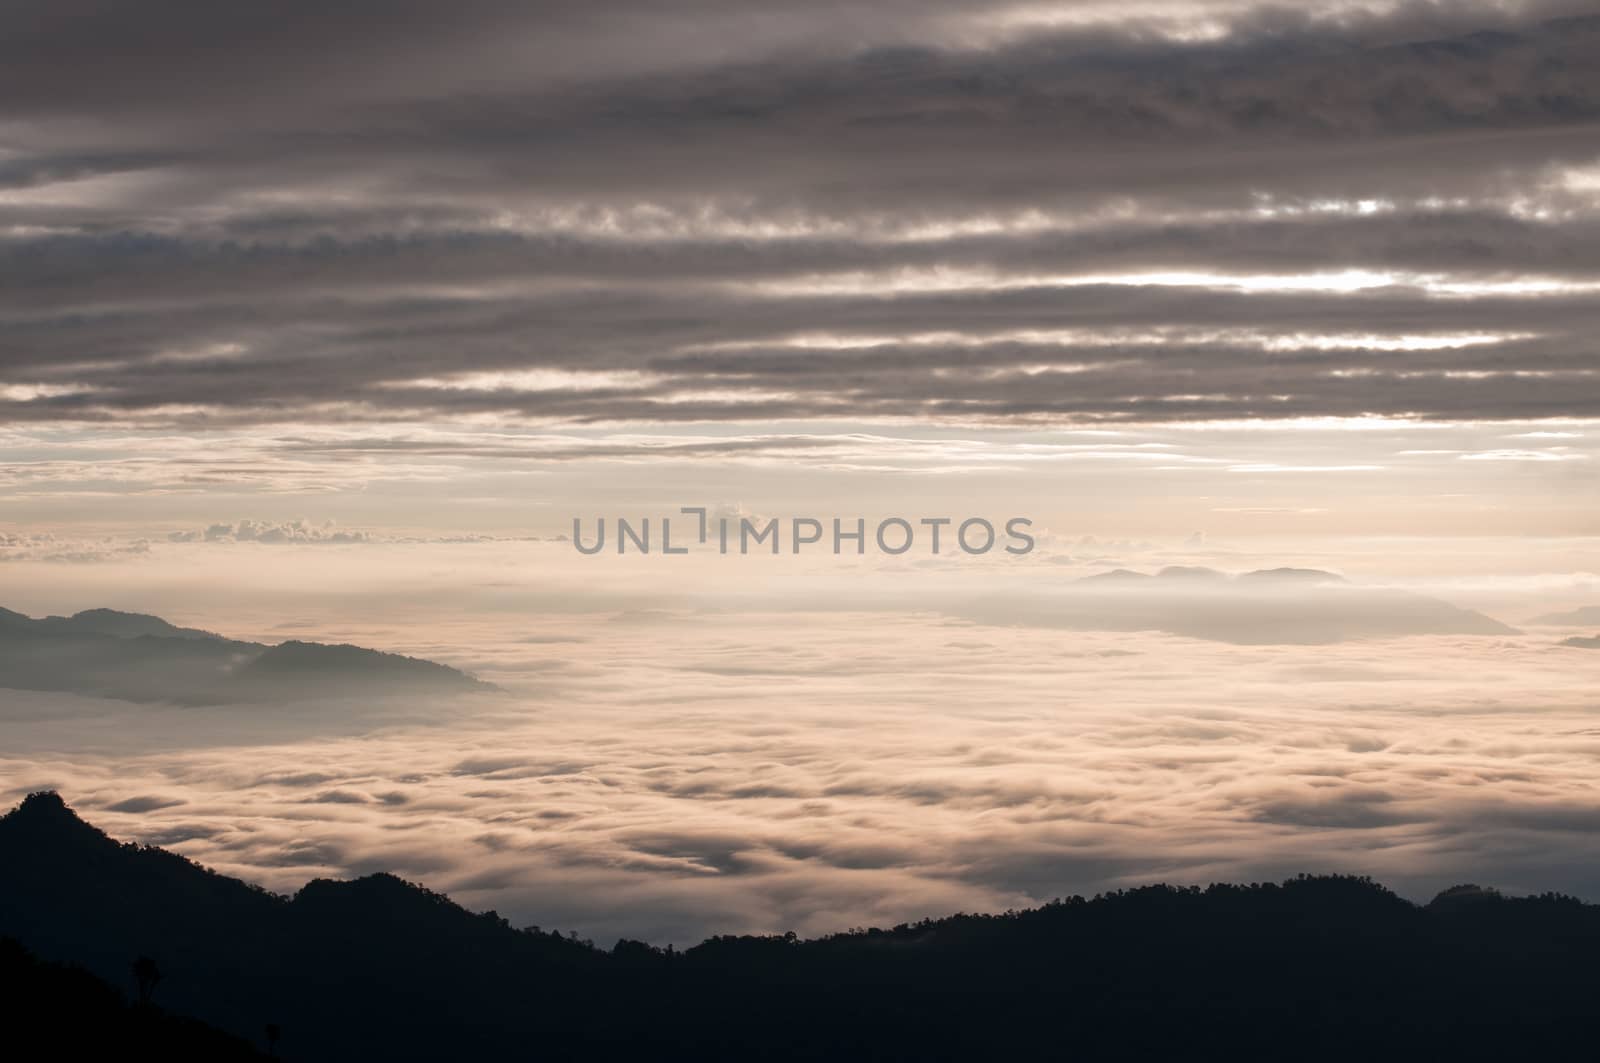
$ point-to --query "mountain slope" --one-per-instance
(1265, 607)
(314, 667)
(136, 657)
(121, 625)
(379, 968)
(1583, 616)
(236, 955)
(79, 1016)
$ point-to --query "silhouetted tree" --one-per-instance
(274, 1032)
(146, 975)
(63, 1012)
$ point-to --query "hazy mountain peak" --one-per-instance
(139, 657)
(1190, 572)
(1266, 606)
(113, 622)
(1583, 615)
(320, 662)
(1117, 575)
(1282, 574)
(1287, 574)
(131, 625)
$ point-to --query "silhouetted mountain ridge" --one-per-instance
(107, 653)
(124, 625)
(300, 661)
(380, 968)
(112, 622)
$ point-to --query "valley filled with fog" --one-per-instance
(664, 756)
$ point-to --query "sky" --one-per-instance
(329, 321)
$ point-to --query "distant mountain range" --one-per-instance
(1197, 572)
(101, 622)
(1583, 616)
(1268, 606)
(108, 653)
(1316, 968)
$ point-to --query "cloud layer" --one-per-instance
(684, 773)
(959, 211)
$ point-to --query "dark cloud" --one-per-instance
(144, 804)
(340, 797)
(297, 779)
(317, 215)
(1346, 810)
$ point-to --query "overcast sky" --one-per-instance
(733, 211)
(442, 246)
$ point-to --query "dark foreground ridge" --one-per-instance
(57, 1011)
(136, 657)
(377, 968)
